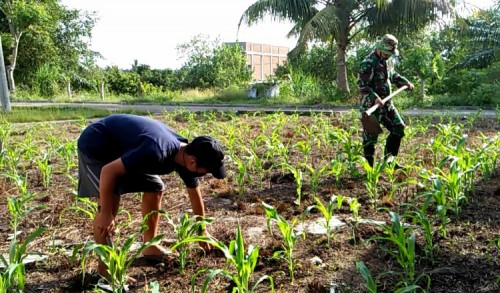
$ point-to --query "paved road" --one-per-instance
(158, 108)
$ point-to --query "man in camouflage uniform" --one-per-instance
(376, 74)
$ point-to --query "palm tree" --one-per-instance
(481, 34)
(342, 20)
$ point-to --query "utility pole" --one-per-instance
(4, 89)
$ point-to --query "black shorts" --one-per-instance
(89, 172)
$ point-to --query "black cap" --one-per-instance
(209, 155)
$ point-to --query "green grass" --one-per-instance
(38, 114)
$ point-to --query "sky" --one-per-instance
(150, 30)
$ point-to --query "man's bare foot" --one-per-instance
(158, 250)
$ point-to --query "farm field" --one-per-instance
(433, 226)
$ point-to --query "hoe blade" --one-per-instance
(370, 124)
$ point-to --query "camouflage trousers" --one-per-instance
(389, 117)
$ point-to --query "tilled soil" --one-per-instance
(466, 260)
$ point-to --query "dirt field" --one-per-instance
(465, 261)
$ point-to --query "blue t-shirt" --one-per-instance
(145, 145)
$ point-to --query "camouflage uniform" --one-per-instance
(376, 75)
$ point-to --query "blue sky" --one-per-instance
(149, 30)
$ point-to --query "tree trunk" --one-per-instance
(421, 92)
(10, 79)
(68, 89)
(101, 90)
(342, 69)
(12, 66)
(342, 40)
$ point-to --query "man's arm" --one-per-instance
(104, 221)
(196, 201)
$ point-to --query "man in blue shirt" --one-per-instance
(125, 153)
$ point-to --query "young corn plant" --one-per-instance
(326, 211)
(351, 147)
(82, 205)
(117, 259)
(67, 151)
(336, 169)
(14, 275)
(289, 236)
(354, 206)
(243, 175)
(420, 218)
(243, 262)
(186, 228)
(371, 286)
(315, 176)
(372, 178)
(437, 192)
(401, 242)
(298, 176)
(45, 168)
(256, 163)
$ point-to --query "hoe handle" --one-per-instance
(375, 107)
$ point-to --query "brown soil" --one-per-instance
(465, 262)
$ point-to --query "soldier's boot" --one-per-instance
(392, 146)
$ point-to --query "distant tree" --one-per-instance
(22, 16)
(230, 67)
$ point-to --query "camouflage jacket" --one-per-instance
(376, 76)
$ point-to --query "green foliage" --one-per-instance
(244, 263)
(289, 236)
(117, 259)
(230, 67)
(121, 82)
(186, 228)
(371, 286)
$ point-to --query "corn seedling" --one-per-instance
(186, 228)
(243, 175)
(403, 238)
(117, 259)
(305, 148)
(298, 176)
(45, 169)
(315, 176)
(351, 147)
(336, 169)
(326, 211)
(354, 206)
(244, 264)
(371, 286)
(67, 151)
(289, 236)
(256, 162)
(372, 177)
(437, 192)
(14, 274)
(420, 218)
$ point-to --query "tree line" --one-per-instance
(46, 49)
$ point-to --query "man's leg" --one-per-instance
(396, 126)
(369, 142)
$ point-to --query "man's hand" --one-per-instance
(378, 101)
(207, 247)
(105, 223)
(410, 86)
